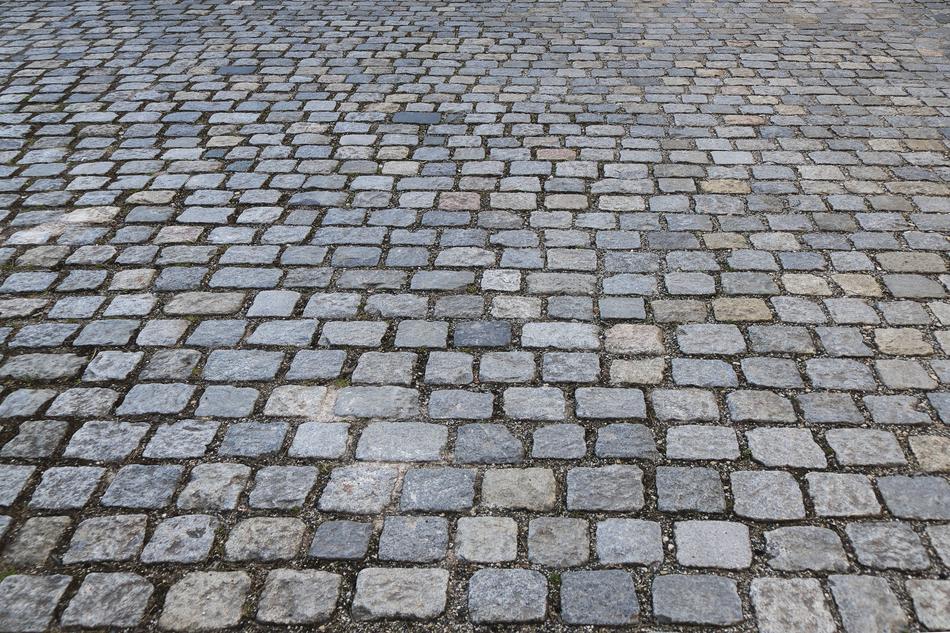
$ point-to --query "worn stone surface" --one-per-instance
(264, 538)
(290, 596)
(606, 598)
(400, 593)
(867, 603)
(517, 303)
(886, 545)
(930, 602)
(507, 596)
(694, 539)
(341, 540)
(797, 548)
(558, 542)
(27, 602)
(181, 539)
(787, 605)
(696, 599)
(108, 600)
(360, 489)
(629, 541)
(414, 539)
(205, 600)
(486, 539)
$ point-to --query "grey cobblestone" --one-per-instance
(108, 600)
(507, 596)
(298, 597)
(474, 313)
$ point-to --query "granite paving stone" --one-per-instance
(482, 443)
(693, 540)
(341, 540)
(438, 490)
(930, 602)
(413, 539)
(142, 486)
(797, 548)
(681, 489)
(507, 596)
(186, 538)
(359, 489)
(108, 600)
(205, 600)
(400, 593)
(401, 441)
(558, 542)
(551, 314)
(486, 539)
(107, 538)
(793, 604)
(264, 539)
(696, 599)
(36, 540)
(606, 598)
(631, 541)
(888, 545)
(867, 603)
(27, 602)
(294, 596)
(605, 488)
(765, 495)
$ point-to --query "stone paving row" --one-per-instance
(553, 313)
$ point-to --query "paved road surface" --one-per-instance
(475, 312)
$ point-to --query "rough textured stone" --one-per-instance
(205, 600)
(27, 602)
(787, 605)
(606, 598)
(611, 488)
(887, 546)
(413, 539)
(629, 541)
(108, 600)
(696, 599)
(109, 538)
(417, 594)
(341, 540)
(214, 487)
(799, 548)
(693, 539)
(181, 539)
(264, 538)
(767, 495)
(290, 596)
(487, 444)
(377, 402)
(930, 598)
(409, 279)
(507, 596)
(866, 603)
(401, 442)
(486, 539)
(528, 489)
(558, 542)
(916, 497)
(359, 489)
(438, 490)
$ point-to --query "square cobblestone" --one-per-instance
(477, 292)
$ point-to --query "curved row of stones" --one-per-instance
(469, 314)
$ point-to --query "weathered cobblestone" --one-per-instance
(546, 313)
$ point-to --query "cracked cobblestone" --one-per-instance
(552, 313)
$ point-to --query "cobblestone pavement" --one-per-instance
(574, 313)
